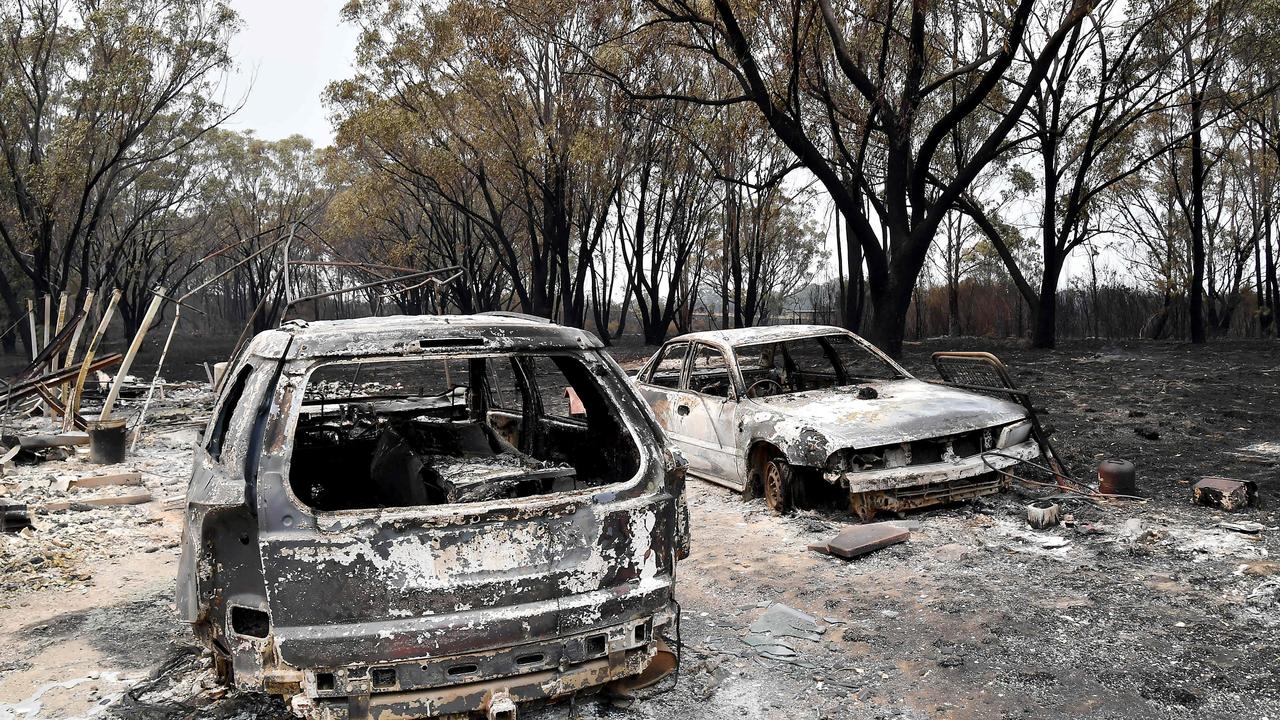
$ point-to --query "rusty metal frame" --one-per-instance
(1008, 387)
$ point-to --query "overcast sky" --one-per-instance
(286, 51)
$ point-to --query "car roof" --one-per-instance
(418, 334)
(762, 334)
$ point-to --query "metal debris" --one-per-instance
(862, 539)
(13, 516)
(136, 498)
(1245, 526)
(771, 633)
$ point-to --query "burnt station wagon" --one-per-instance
(419, 516)
(788, 410)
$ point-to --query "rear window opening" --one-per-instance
(462, 429)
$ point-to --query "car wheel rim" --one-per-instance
(773, 490)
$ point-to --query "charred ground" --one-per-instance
(1137, 610)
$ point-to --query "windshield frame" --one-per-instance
(830, 354)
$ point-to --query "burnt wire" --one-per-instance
(1078, 489)
(15, 323)
(660, 690)
(157, 680)
(679, 648)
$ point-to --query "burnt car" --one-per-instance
(812, 410)
(422, 516)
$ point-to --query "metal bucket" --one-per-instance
(107, 442)
(1117, 477)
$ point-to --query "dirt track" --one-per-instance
(1147, 611)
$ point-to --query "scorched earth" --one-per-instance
(1142, 609)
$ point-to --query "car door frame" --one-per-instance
(663, 400)
(665, 403)
(723, 421)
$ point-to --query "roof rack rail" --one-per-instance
(516, 316)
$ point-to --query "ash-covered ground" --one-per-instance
(1137, 609)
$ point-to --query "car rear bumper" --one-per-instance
(320, 646)
(484, 682)
(913, 476)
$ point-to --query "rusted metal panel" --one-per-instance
(862, 539)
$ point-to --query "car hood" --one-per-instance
(904, 410)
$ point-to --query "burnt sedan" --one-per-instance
(406, 517)
(793, 411)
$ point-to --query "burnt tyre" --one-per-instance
(777, 479)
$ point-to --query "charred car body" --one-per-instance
(404, 517)
(777, 410)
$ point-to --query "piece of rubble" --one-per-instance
(1225, 493)
(862, 539)
(1244, 526)
(45, 441)
(1146, 432)
(1043, 514)
(132, 477)
(769, 634)
(1267, 593)
(101, 501)
(1134, 531)
(9, 455)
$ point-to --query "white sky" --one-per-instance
(286, 52)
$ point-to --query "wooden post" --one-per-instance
(73, 405)
(31, 321)
(46, 299)
(53, 359)
(75, 340)
(156, 300)
(57, 329)
(164, 352)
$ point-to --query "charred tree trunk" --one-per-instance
(1044, 333)
(1196, 291)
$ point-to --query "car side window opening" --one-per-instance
(435, 431)
(709, 374)
(666, 371)
(559, 399)
(808, 365)
(857, 363)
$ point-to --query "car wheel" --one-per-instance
(776, 478)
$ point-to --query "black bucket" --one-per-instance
(107, 442)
